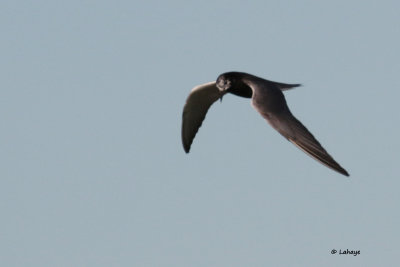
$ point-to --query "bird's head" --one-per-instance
(233, 82)
(225, 82)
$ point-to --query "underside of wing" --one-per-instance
(197, 104)
(293, 130)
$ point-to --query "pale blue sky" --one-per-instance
(93, 172)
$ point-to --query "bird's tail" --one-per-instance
(286, 86)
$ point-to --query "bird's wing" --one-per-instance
(293, 130)
(197, 104)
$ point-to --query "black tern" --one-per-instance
(267, 98)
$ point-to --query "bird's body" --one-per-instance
(267, 98)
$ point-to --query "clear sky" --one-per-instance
(92, 170)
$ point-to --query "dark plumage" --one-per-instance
(267, 98)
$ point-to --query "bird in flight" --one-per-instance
(267, 98)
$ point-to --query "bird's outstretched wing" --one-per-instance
(293, 130)
(197, 104)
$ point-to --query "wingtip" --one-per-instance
(342, 171)
(186, 148)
